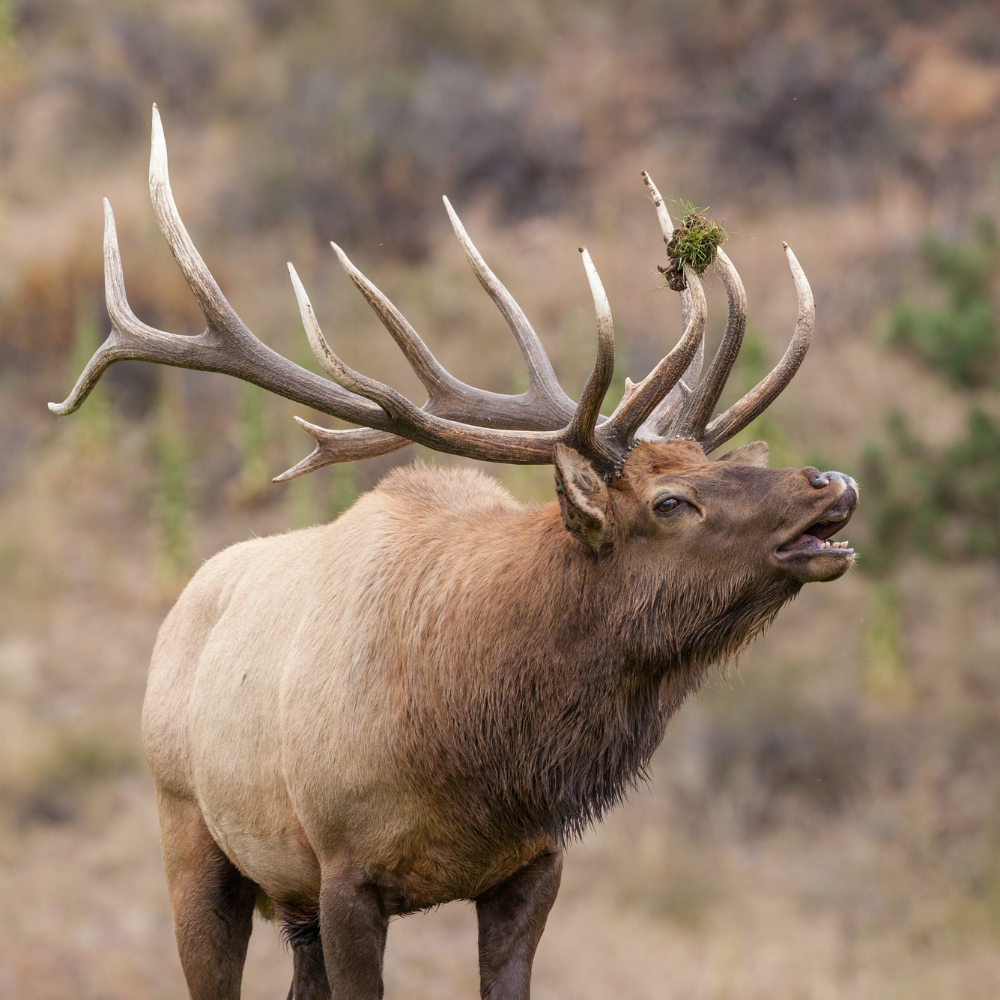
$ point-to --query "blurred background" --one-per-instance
(823, 820)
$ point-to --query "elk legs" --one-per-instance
(353, 926)
(511, 920)
(309, 980)
(212, 902)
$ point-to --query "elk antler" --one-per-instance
(456, 418)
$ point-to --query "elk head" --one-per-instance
(640, 472)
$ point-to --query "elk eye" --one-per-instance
(669, 504)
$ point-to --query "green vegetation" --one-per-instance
(94, 420)
(943, 503)
(695, 242)
(172, 494)
(959, 339)
(254, 478)
(885, 672)
(344, 489)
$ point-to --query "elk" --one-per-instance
(428, 698)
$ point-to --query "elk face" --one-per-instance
(729, 519)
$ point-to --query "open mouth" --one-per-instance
(816, 538)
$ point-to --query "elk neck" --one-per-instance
(552, 672)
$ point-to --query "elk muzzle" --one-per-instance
(810, 555)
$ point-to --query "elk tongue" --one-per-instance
(803, 541)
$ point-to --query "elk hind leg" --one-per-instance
(212, 901)
(301, 931)
(511, 919)
(309, 980)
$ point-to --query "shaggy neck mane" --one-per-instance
(542, 733)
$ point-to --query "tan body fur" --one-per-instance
(281, 687)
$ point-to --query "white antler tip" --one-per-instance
(347, 264)
(157, 150)
(300, 292)
(456, 222)
(313, 429)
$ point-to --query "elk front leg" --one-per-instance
(353, 927)
(511, 920)
(212, 902)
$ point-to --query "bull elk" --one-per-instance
(428, 698)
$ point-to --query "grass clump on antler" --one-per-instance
(695, 242)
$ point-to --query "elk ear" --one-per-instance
(583, 497)
(754, 453)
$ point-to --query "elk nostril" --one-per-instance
(819, 479)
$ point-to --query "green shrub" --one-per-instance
(959, 339)
(942, 503)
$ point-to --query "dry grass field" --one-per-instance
(824, 819)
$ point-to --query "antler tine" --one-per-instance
(690, 376)
(541, 378)
(581, 430)
(724, 426)
(436, 379)
(696, 410)
(218, 312)
(333, 446)
(666, 223)
(395, 404)
(636, 408)
(122, 318)
(661, 416)
(656, 423)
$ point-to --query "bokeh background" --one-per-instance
(824, 820)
